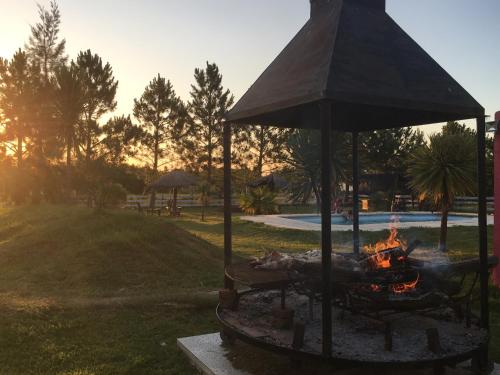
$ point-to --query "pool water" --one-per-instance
(379, 218)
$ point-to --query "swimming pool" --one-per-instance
(376, 221)
(386, 218)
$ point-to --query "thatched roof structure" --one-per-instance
(173, 180)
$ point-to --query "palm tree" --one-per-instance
(303, 156)
(442, 170)
(259, 201)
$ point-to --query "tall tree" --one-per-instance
(46, 53)
(265, 145)
(121, 138)
(44, 47)
(387, 150)
(69, 96)
(455, 128)
(15, 99)
(100, 87)
(207, 107)
(162, 115)
(442, 170)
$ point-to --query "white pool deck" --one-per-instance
(286, 221)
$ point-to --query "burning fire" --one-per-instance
(379, 257)
(405, 288)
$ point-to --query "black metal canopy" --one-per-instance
(352, 53)
(352, 68)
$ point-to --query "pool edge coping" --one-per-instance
(279, 221)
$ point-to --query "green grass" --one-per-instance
(253, 239)
(85, 292)
(60, 252)
(100, 340)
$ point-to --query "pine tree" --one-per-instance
(46, 53)
(44, 47)
(100, 87)
(69, 96)
(15, 99)
(162, 115)
(265, 145)
(207, 107)
(121, 138)
(388, 150)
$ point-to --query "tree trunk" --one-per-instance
(316, 194)
(209, 175)
(88, 147)
(209, 168)
(156, 151)
(69, 147)
(444, 230)
(68, 155)
(260, 161)
(19, 195)
(19, 153)
(174, 204)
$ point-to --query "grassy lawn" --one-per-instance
(253, 239)
(85, 292)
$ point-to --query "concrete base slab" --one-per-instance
(211, 357)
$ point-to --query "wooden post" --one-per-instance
(355, 192)
(483, 234)
(326, 224)
(388, 337)
(433, 340)
(228, 249)
(482, 217)
(299, 331)
(496, 174)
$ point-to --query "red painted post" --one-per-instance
(496, 236)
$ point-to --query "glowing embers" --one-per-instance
(405, 287)
(388, 259)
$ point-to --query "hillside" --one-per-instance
(85, 292)
(57, 252)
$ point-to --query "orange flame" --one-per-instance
(405, 288)
(378, 257)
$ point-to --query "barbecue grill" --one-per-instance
(351, 68)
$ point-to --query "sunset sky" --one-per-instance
(172, 37)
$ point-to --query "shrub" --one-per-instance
(259, 201)
(110, 195)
